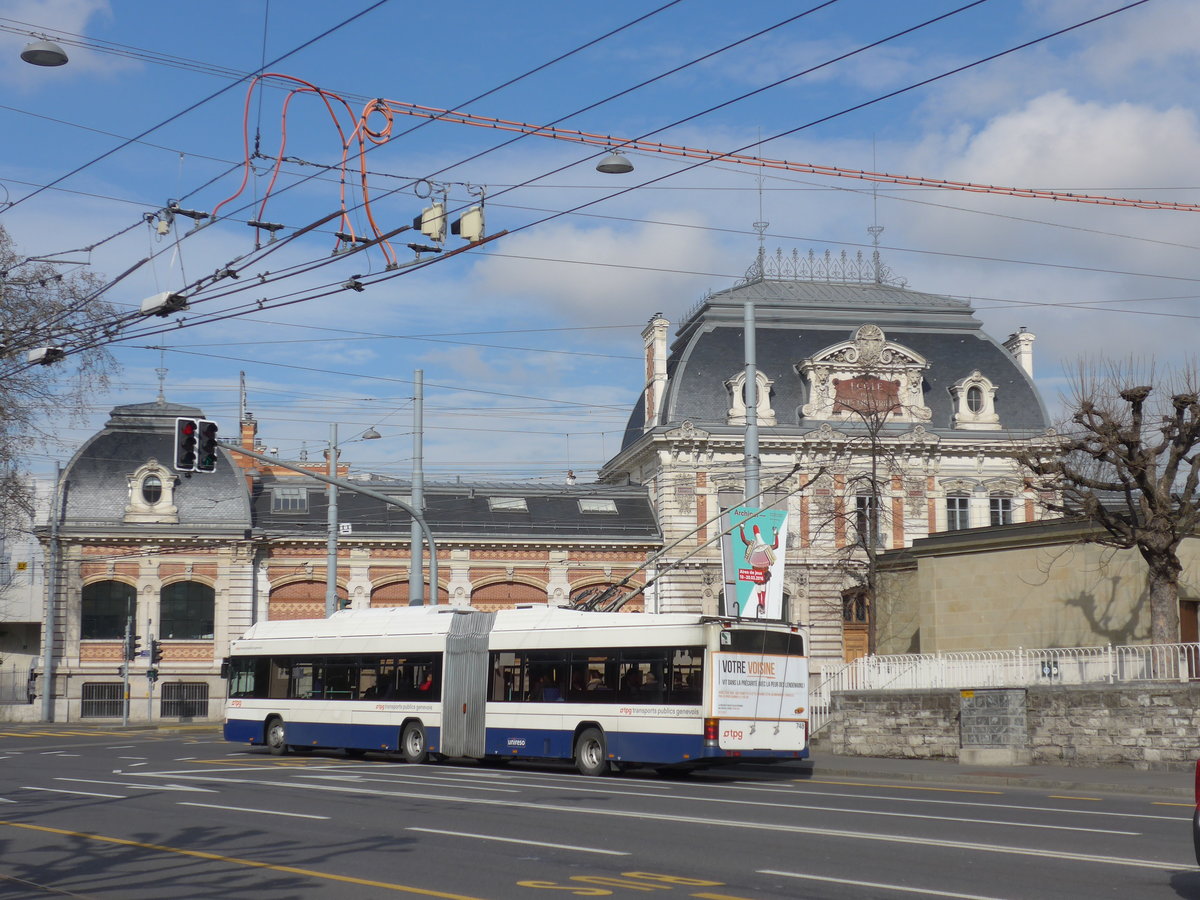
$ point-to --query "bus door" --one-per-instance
(464, 685)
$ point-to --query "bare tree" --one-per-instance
(1129, 461)
(866, 460)
(42, 306)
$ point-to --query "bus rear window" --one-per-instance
(772, 643)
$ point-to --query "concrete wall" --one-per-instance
(969, 591)
(1147, 726)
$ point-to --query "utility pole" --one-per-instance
(51, 605)
(331, 540)
(356, 488)
(416, 568)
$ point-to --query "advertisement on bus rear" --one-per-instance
(756, 687)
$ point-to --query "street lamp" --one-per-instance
(331, 540)
(614, 164)
(44, 53)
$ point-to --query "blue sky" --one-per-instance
(530, 345)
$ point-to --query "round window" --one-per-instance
(975, 398)
(151, 489)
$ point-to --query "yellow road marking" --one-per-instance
(1169, 803)
(215, 857)
(1065, 797)
(718, 897)
(899, 787)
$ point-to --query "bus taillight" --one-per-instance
(712, 729)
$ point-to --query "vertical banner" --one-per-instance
(753, 550)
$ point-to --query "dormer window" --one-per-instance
(737, 399)
(152, 489)
(975, 403)
(151, 495)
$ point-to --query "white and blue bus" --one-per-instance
(604, 689)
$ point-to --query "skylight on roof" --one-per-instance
(507, 504)
(594, 505)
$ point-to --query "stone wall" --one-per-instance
(1149, 726)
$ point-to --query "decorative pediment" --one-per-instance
(687, 433)
(865, 377)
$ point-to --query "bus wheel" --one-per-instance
(412, 743)
(276, 736)
(590, 753)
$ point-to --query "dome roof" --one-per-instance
(97, 478)
(797, 319)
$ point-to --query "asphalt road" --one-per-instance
(114, 814)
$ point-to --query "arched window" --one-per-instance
(186, 611)
(151, 489)
(104, 608)
(975, 398)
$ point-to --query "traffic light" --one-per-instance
(133, 646)
(206, 454)
(185, 445)
(432, 222)
(155, 652)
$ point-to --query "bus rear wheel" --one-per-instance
(277, 736)
(591, 755)
(412, 743)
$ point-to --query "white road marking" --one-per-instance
(80, 793)
(710, 822)
(144, 786)
(133, 757)
(122, 747)
(435, 781)
(133, 765)
(6, 800)
(508, 840)
(898, 888)
(265, 812)
(971, 803)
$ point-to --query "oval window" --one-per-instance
(975, 399)
(151, 489)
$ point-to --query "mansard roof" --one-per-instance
(797, 319)
(97, 477)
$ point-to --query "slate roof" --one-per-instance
(797, 319)
(463, 511)
(97, 487)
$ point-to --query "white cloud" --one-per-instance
(56, 20)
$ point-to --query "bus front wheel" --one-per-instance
(277, 737)
(412, 743)
(591, 756)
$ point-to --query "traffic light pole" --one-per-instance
(125, 671)
(366, 492)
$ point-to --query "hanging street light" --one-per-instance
(44, 53)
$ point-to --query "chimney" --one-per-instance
(655, 337)
(1020, 345)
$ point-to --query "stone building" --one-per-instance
(885, 415)
(192, 560)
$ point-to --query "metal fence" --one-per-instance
(1005, 668)
(102, 700)
(15, 686)
(184, 700)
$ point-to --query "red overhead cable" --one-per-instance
(363, 133)
(608, 141)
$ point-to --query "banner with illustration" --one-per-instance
(752, 552)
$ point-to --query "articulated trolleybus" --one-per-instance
(673, 691)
